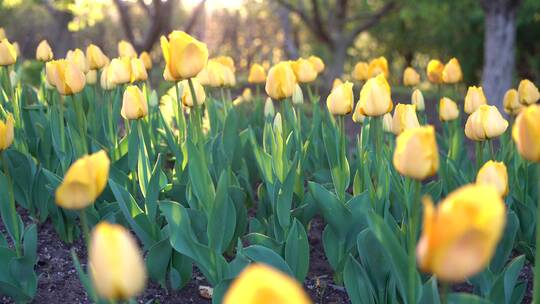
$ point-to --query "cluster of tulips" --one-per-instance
(105, 155)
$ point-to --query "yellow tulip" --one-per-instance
(418, 100)
(226, 61)
(44, 52)
(213, 74)
(495, 174)
(138, 71)
(317, 63)
(404, 118)
(298, 95)
(6, 132)
(410, 77)
(485, 123)
(134, 104)
(8, 53)
(526, 133)
(229, 77)
(452, 72)
(304, 70)
(257, 74)
(107, 75)
(474, 99)
(375, 97)
(280, 81)
(65, 76)
(278, 124)
(2, 33)
(528, 92)
(448, 109)
(337, 82)
(184, 56)
(147, 60)
(434, 71)
(17, 48)
(511, 102)
(361, 71)
(387, 123)
(416, 154)
(96, 59)
(258, 284)
(187, 99)
(84, 181)
(341, 99)
(126, 49)
(245, 97)
(78, 58)
(120, 69)
(91, 77)
(357, 117)
(460, 235)
(378, 66)
(116, 264)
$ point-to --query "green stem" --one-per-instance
(84, 227)
(196, 111)
(492, 149)
(445, 288)
(536, 290)
(12, 207)
(414, 213)
(479, 154)
(180, 119)
(79, 112)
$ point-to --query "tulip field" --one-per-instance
(246, 184)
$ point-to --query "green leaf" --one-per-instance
(222, 218)
(267, 256)
(202, 184)
(297, 250)
(157, 260)
(357, 283)
(465, 298)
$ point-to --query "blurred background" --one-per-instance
(496, 41)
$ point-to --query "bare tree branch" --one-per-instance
(190, 24)
(372, 20)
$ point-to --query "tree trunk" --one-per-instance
(289, 43)
(499, 48)
(335, 67)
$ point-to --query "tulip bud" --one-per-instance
(96, 59)
(378, 66)
(357, 117)
(200, 95)
(511, 102)
(297, 96)
(84, 181)
(134, 104)
(460, 235)
(361, 71)
(434, 71)
(474, 99)
(116, 265)
(229, 79)
(278, 124)
(280, 81)
(126, 49)
(269, 108)
(6, 132)
(256, 74)
(452, 72)
(107, 75)
(410, 77)
(337, 82)
(17, 49)
(65, 76)
(495, 174)
(184, 56)
(147, 60)
(246, 94)
(120, 69)
(304, 71)
(526, 133)
(341, 99)
(138, 71)
(78, 58)
(8, 53)
(375, 97)
(387, 123)
(259, 284)
(213, 75)
(91, 77)
(416, 154)
(418, 100)
(317, 63)
(44, 52)
(404, 118)
(448, 109)
(226, 61)
(528, 92)
(485, 123)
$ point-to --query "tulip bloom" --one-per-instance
(474, 99)
(404, 118)
(528, 92)
(304, 70)
(187, 99)
(44, 52)
(116, 264)
(317, 62)
(416, 154)
(378, 66)
(340, 101)
(120, 69)
(387, 123)
(434, 71)
(147, 60)
(184, 55)
(65, 76)
(259, 284)
(226, 61)
(134, 104)
(526, 133)
(485, 123)
(337, 82)
(96, 59)
(375, 97)
(78, 58)
(410, 77)
(280, 81)
(6, 132)
(418, 100)
(107, 75)
(84, 181)
(256, 74)
(448, 109)
(91, 77)
(461, 234)
(269, 110)
(297, 96)
(138, 71)
(511, 102)
(494, 173)
(229, 77)
(452, 72)
(361, 71)
(126, 49)
(359, 118)
(8, 53)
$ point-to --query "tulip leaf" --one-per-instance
(357, 283)
(133, 147)
(297, 250)
(430, 292)
(260, 254)
(465, 298)
(143, 163)
(157, 260)
(222, 218)
(202, 184)
(10, 217)
(333, 211)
